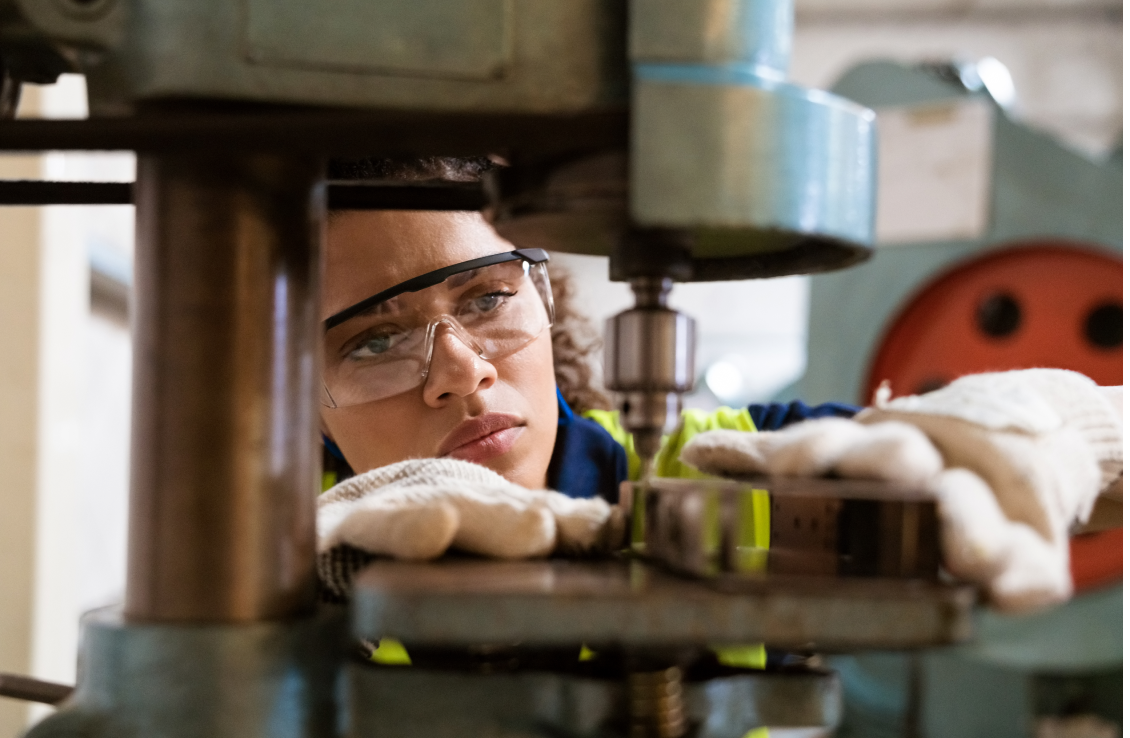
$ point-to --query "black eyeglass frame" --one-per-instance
(430, 279)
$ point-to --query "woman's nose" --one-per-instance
(456, 370)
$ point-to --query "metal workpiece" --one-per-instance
(270, 679)
(547, 603)
(424, 702)
(223, 463)
(817, 527)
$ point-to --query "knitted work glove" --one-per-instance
(417, 509)
(1015, 459)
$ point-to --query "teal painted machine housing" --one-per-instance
(726, 150)
(765, 177)
(1040, 189)
(1018, 668)
(178, 680)
(724, 147)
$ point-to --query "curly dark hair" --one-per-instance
(441, 168)
(575, 342)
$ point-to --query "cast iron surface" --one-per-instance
(178, 681)
(403, 702)
(627, 602)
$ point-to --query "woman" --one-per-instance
(439, 350)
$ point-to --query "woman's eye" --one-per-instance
(488, 302)
(373, 346)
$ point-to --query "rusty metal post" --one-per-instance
(223, 476)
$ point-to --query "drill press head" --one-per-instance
(733, 174)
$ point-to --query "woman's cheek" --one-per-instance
(529, 374)
(374, 434)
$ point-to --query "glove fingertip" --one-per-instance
(415, 533)
(811, 448)
(724, 452)
(536, 534)
(1019, 592)
(507, 532)
(1035, 573)
(427, 535)
(896, 452)
(587, 525)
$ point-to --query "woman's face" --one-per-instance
(501, 414)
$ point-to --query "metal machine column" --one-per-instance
(221, 524)
(219, 634)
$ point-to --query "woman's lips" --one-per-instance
(482, 438)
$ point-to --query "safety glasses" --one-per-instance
(383, 345)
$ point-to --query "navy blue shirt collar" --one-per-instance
(587, 461)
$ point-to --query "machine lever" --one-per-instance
(33, 690)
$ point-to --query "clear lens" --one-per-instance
(497, 310)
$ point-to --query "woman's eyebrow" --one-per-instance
(462, 278)
(505, 270)
(382, 307)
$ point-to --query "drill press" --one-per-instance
(659, 132)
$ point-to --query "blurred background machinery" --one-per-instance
(1002, 251)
